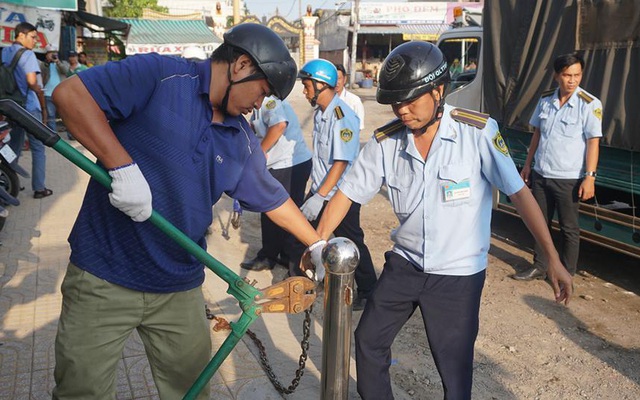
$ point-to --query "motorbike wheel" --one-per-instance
(9, 180)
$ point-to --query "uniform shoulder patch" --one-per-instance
(338, 112)
(584, 96)
(499, 144)
(271, 104)
(387, 130)
(469, 117)
(346, 135)
(547, 93)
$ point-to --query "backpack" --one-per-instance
(8, 86)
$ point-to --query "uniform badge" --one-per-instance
(499, 144)
(346, 135)
(598, 113)
(271, 104)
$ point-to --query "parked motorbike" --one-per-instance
(9, 181)
(9, 169)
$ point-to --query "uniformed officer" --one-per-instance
(289, 161)
(174, 140)
(439, 164)
(336, 132)
(565, 145)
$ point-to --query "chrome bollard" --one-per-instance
(340, 258)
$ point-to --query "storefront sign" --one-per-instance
(168, 49)
(47, 22)
(401, 13)
(67, 5)
(391, 13)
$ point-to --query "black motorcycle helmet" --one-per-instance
(409, 71)
(269, 52)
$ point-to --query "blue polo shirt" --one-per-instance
(159, 109)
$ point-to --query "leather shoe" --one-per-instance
(529, 275)
(258, 264)
(359, 303)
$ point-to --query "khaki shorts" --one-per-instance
(97, 318)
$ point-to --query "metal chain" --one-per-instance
(264, 360)
(304, 345)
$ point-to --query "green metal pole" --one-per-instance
(245, 293)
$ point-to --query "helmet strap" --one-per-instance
(316, 92)
(438, 110)
(253, 77)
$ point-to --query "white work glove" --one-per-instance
(130, 192)
(312, 261)
(311, 208)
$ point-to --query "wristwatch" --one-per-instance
(591, 173)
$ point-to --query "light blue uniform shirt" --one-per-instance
(335, 138)
(564, 133)
(443, 204)
(28, 63)
(290, 149)
(54, 79)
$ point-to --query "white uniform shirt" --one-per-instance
(290, 149)
(444, 204)
(564, 132)
(355, 103)
(336, 137)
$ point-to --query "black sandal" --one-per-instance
(38, 194)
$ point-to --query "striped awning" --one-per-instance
(424, 29)
(169, 36)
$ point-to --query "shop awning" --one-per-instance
(97, 23)
(424, 29)
(379, 30)
(169, 36)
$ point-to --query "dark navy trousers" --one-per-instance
(449, 305)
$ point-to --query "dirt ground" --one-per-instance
(528, 347)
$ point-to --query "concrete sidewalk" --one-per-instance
(33, 261)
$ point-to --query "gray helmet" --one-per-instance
(409, 71)
(269, 52)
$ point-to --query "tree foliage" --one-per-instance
(131, 8)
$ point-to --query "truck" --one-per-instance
(514, 48)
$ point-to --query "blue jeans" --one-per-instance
(51, 114)
(38, 158)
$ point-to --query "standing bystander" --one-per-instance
(565, 146)
(349, 98)
(53, 72)
(439, 164)
(84, 59)
(27, 74)
(74, 65)
(289, 161)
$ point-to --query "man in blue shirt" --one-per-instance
(439, 165)
(565, 146)
(27, 77)
(171, 133)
